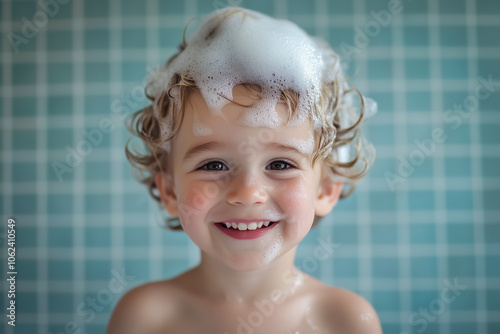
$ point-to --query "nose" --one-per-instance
(246, 190)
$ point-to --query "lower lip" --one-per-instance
(247, 234)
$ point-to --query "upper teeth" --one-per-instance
(247, 226)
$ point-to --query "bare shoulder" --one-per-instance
(347, 312)
(144, 309)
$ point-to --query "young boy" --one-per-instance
(250, 138)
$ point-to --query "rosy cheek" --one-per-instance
(193, 203)
(296, 202)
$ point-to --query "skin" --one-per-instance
(243, 286)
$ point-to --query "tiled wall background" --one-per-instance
(426, 215)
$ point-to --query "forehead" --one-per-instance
(200, 124)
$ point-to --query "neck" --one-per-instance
(274, 280)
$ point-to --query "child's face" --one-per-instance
(223, 171)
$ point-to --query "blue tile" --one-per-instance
(384, 234)
(453, 36)
(97, 203)
(416, 36)
(24, 204)
(463, 328)
(25, 106)
(97, 269)
(466, 301)
(492, 266)
(136, 203)
(60, 302)
(60, 204)
(26, 236)
(458, 200)
(415, 7)
(452, 7)
(454, 68)
(339, 35)
(23, 74)
(488, 7)
(60, 269)
(26, 302)
(422, 233)
(491, 199)
(60, 236)
(134, 71)
(386, 300)
(134, 38)
(97, 237)
(493, 300)
(343, 234)
(380, 69)
(133, 7)
(23, 172)
(59, 105)
(58, 73)
(347, 204)
(492, 232)
(461, 266)
(59, 138)
(490, 134)
(96, 137)
(422, 298)
(137, 268)
(383, 38)
(20, 9)
(170, 37)
(97, 170)
(178, 7)
(384, 100)
(299, 7)
(97, 39)
(340, 7)
(382, 134)
(59, 40)
(173, 267)
(28, 268)
(97, 72)
(460, 233)
(136, 236)
(97, 105)
(458, 167)
(423, 267)
(346, 267)
(421, 200)
(385, 267)
(417, 68)
(383, 201)
(96, 8)
(418, 101)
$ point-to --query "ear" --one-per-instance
(328, 194)
(164, 184)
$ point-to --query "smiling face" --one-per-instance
(244, 195)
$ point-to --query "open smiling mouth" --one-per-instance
(246, 230)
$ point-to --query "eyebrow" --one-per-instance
(210, 146)
(215, 146)
(287, 148)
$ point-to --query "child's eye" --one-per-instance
(214, 166)
(279, 165)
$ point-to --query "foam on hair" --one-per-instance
(250, 47)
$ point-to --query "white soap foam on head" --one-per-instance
(250, 47)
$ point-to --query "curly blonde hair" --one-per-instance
(332, 110)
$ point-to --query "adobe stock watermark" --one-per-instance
(456, 116)
(265, 308)
(86, 311)
(372, 28)
(121, 108)
(30, 28)
(449, 293)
